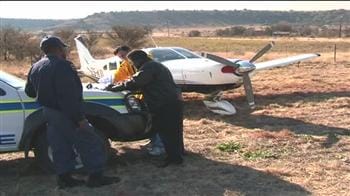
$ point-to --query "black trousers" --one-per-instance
(168, 122)
(63, 136)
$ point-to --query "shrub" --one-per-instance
(229, 147)
(194, 33)
(133, 36)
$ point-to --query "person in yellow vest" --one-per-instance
(125, 69)
(124, 72)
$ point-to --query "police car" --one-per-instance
(116, 116)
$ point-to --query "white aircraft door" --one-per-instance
(197, 72)
(176, 69)
(11, 117)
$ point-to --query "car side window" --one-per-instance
(2, 92)
(162, 55)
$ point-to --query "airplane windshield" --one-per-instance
(162, 55)
(188, 54)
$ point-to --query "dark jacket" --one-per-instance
(55, 84)
(156, 83)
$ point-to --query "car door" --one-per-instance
(11, 117)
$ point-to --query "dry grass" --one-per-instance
(296, 142)
(245, 48)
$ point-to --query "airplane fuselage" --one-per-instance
(190, 71)
(192, 75)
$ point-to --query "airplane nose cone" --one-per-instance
(245, 66)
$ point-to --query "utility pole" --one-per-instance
(167, 24)
(340, 26)
(335, 53)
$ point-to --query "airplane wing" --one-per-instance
(284, 61)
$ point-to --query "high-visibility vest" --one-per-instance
(124, 71)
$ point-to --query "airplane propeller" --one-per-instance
(262, 52)
(219, 59)
(243, 68)
(248, 88)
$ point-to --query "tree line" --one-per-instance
(283, 28)
(17, 44)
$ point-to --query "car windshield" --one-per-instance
(11, 80)
(188, 54)
(161, 55)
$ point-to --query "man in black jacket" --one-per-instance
(163, 99)
(54, 82)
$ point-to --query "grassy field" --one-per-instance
(246, 47)
(296, 142)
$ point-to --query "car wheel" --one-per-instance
(44, 158)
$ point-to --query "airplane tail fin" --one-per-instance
(88, 65)
(84, 55)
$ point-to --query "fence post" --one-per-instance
(335, 53)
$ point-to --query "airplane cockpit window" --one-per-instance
(162, 55)
(188, 54)
(112, 65)
(105, 67)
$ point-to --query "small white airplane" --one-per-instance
(205, 73)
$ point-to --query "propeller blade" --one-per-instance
(262, 51)
(219, 59)
(248, 90)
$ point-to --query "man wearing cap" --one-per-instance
(124, 72)
(54, 82)
(163, 99)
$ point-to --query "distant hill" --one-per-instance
(30, 24)
(103, 21)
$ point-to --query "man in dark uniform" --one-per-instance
(54, 82)
(163, 99)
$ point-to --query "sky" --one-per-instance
(81, 9)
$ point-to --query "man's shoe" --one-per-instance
(156, 151)
(98, 180)
(67, 181)
(168, 162)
